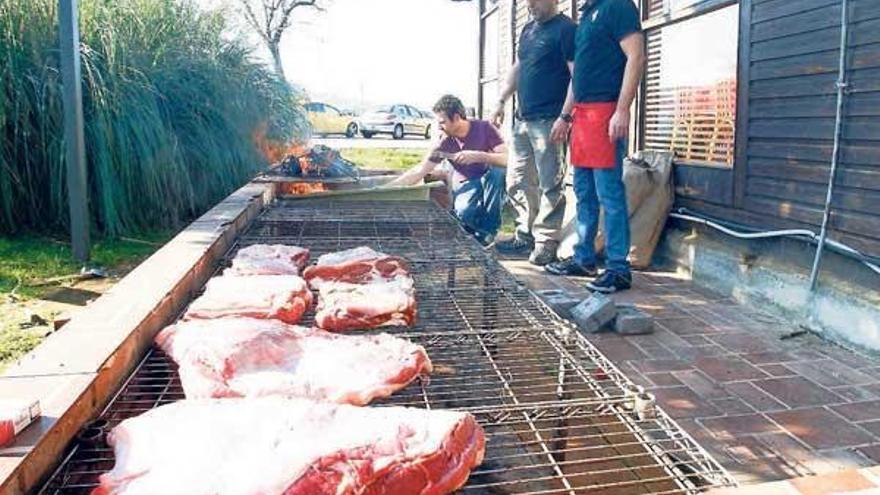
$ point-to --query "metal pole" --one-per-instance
(835, 153)
(77, 178)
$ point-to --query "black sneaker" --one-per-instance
(518, 244)
(485, 240)
(571, 267)
(543, 255)
(611, 282)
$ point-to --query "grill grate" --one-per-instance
(554, 409)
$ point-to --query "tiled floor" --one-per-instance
(767, 403)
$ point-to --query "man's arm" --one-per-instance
(634, 48)
(508, 91)
(497, 157)
(415, 174)
(560, 127)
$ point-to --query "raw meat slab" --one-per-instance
(277, 446)
(243, 357)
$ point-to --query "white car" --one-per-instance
(397, 120)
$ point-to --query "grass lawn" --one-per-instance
(27, 266)
(383, 158)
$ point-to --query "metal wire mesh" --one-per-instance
(556, 412)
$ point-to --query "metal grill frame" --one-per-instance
(526, 404)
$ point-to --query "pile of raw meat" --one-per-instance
(273, 408)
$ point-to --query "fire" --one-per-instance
(300, 188)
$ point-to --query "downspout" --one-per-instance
(835, 154)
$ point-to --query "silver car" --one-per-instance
(397, 120)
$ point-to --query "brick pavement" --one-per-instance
(766, 407)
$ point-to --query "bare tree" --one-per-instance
(270, 18)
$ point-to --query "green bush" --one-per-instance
(175, 107)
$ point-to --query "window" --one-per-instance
(332, 110)
(690, 85)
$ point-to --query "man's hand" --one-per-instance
(618, 127)
(559, 133)
(468, 157)
(498, 115)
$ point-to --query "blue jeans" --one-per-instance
(477, 202)
(593, 187)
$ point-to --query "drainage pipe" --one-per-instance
(835, 154)
(808, 235)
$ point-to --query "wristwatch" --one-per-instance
(566, 117)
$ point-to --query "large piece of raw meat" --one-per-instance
(343, 306)
(280, 297)
(360, 265)
(243, 357)
(277, 446)
(269, 259)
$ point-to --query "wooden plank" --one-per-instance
(853, 223)
(816, 172)
(855, 105)
(806, 85)
(806, 128)
(767, 11)
(845, 198)
(797, 22)
(816, 151)
(710, 184)
(743, 106)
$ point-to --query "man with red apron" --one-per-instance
(608, 64)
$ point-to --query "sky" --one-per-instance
(360, 53)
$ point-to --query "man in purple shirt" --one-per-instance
(478, 155)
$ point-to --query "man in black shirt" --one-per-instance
(609, 60)
(535, 174)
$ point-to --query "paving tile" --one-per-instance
(754, 397)
(723, 369)
(663, 379)
(701, 384)
(687, 326)
(731, 406)
(620, 349)
(682, 402)
(776, 370)
(843, 482)
(744, 342)
(822, 429)
(733, 426)
(769, 357)
(871, 452)
(657, 365)
(696, 352)
(871, 426)
(656, 351)
(849, 358)
(807, 461)
(798, 392)
(859, 411)
(831, 373)
(696, 340)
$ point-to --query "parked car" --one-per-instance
(398, 120)
(327, 119)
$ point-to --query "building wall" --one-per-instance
(788, 58)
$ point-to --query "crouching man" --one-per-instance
(478, 155)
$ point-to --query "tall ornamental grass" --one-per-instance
(176, 110)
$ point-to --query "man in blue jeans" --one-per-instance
(608, 64)
(478, 156)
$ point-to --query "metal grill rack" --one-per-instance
(558, 416)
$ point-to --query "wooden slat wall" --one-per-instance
(792, 70)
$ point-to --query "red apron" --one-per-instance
(590, 145)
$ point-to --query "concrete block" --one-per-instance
(594, 313)
(560, 301)
(632, 321)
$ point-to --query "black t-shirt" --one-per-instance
(599, 61)
(545, 48)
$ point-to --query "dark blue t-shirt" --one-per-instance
(545, 48)
(599, 61)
